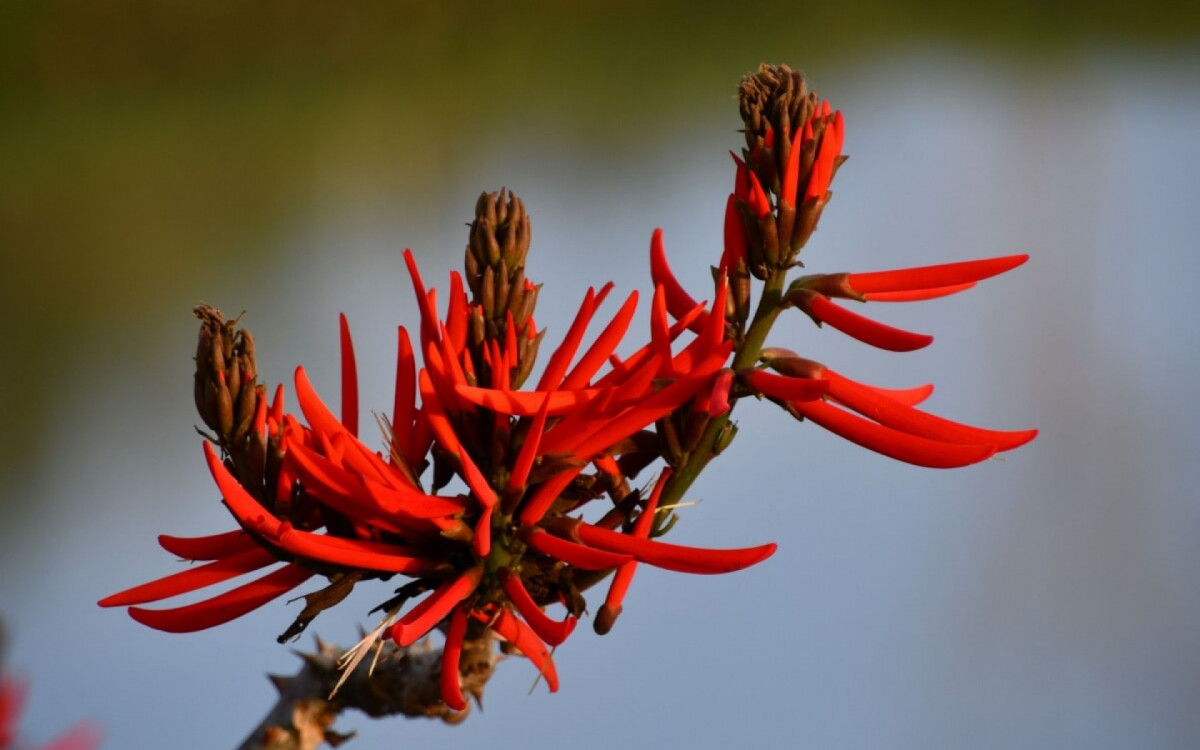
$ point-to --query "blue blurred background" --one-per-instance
(278, 157)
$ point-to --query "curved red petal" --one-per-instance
(787, 388)
(552, 631)
(880, 408)
(228, 606)
(189, 580)
(509, 627)
(864, 329)
(572, 553)
(932, 277)
(673, 556)
(349, 378)
(451, 685)
(207, 547)
(423, 617)
(901, 446)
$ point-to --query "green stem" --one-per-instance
(770, 303)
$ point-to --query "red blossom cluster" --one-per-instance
(545, 507)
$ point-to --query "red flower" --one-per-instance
(522, 456)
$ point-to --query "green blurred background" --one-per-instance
(277, 156)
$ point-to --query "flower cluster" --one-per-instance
(511, 543)
(497, 502)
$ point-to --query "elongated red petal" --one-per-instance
(352, 553)
(759, 203)
(604, 345)
(679, 302)
(429, 318)
(870, 403)
(552, 631)
(228, 606)
(623, 577)
(509, 627)
(535, 507)
(451, 685)
(527, 403)
(405, 400)
(561, 359)
(864, 329)
(248, 511)
(917, 295)
(932, 277)
(901, 446)
(475, 480)
(573, 553)
(528, 452)
(349, 379)
(787, 388)
(456, 314)
(907, 396)
(192, 579)
(423, 617)
(208, 547)
(673, 556)
(734, 235)
(791, 173)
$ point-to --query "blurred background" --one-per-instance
(277, 157)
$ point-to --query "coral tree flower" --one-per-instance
(781, 184)
(529, 465)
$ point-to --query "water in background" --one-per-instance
(1045, 600)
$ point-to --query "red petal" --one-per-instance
(679, 302)
(405, 401)
(248, 511)
(561, 359)
(673, 556)
(509, 627)
(349, 379)
(932, 277)
(864, 329)
(193, 578)
(451, 657)
(208, 547)
(528, 452)
(791, 174)
(423, 617)
(735, 236)
(901, 446)
(604, 345)
(871, 404)
(552, 631)
(786, 388)
(547, 492)
(353, 553)
(429, 318)
(527, 403)
(573, 553)
(228, 606)
(916, 295)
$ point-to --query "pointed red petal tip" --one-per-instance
(786, 388)
(509, 627)
(451, 685)
(673, 556)
(552, 631)
(433, 608)
(193, 579)
(207, 547)
(919, 451)
(877, 406)
(862, 328)
(228, 606)
(933, 277)
(349, 378)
